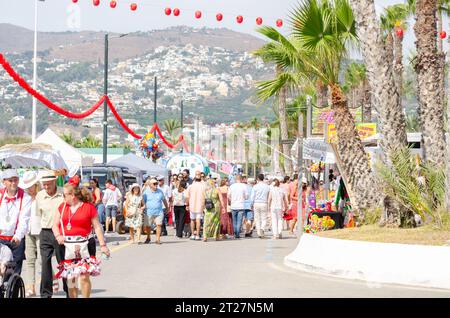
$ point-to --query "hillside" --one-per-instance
(212, 71)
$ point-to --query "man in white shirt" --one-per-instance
(237, 194)
(15, 211)
(259, 200)
(111, 200)
(168, 196)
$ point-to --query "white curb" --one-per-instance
(415, 265)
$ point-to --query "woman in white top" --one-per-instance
(278, 203)
(179, 206)
(134, 206)
(30, 184)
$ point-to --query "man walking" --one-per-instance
(111, 201)
(196, 196)
(248, 210)
(168, 196)
(154, 213)
(48, 201)
(237, 194)
(259, 200)
(186, 177)
(15, 213)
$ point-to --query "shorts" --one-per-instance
(150, 219)
(111, 211)
(248, 215)
(195, 216)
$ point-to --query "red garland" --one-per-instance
(120, 120)
(16, 77)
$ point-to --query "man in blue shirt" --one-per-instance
(248, 213)
(154, 213)
(259, 200)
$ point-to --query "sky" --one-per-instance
(63, 15)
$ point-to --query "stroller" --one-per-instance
(12, 285)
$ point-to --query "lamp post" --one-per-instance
(155, 102)
(105, 93)
(33, 115)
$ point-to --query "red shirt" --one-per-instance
(80, 221)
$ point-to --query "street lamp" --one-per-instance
(33, 116)
(105, 104)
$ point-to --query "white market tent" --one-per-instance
(74, 158)
(139, 164)
(32, 155)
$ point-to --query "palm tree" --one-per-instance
(429, 68)
(395, 18)
(326, 29)
(90, 142)
(282, 52)
(358, 90)
(171, 126)
(385, 99)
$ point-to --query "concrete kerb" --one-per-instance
(375, 263)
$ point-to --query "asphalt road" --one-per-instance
(233, 268)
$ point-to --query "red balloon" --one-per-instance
(176, 12)
(239, 19)
(279, 23)
(74, 1)
(399, 32)
(198, 14)
(443, 34)
(113, 4)
(168, 11)
(96, 2)
(259, 21)
(133, 7)
(219, 16)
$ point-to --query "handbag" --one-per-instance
(76, 246)
(209, 204)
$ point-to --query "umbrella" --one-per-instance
(31, 155)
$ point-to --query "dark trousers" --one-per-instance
(180, 217)
(49, 245)
(18, 252)
(165, 222)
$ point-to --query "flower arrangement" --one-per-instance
(319, 224)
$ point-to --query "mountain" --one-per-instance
(212, 70)
(88, 46)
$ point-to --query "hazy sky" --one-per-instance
(62, 15)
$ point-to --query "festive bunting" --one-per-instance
(96, 2)
(198, 14)
(167, 11)
(176, 12)
(219, 17)
(113, 4)
(133, 6)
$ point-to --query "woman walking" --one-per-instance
(134, 206)
(30, 184)
(179, 206)
(211, 223)
(226, 220)
(73, 222)
(278, 203)
(97, 198)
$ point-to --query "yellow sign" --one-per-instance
(365, 130)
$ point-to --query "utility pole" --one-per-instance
(105, 105)
(154, 107)
(181, 120)
(33, 116)
(300, 224)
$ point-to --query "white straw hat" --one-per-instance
(9, 173)
(29, 179)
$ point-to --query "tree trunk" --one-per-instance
(378, 59)
(429, 68)
(385, 97)
(321, 95)
(447, 161)
(367, 103)
(439, 30)
(398, 65)
(284, 127)
(355, 160)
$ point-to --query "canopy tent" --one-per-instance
(73, 157)
(32, 155)
(140, 164)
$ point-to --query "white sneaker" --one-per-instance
(192, 237)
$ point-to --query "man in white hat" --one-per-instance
(30, 183)
(48, 201)
(15, 210)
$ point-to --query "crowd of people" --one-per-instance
(39, 220)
